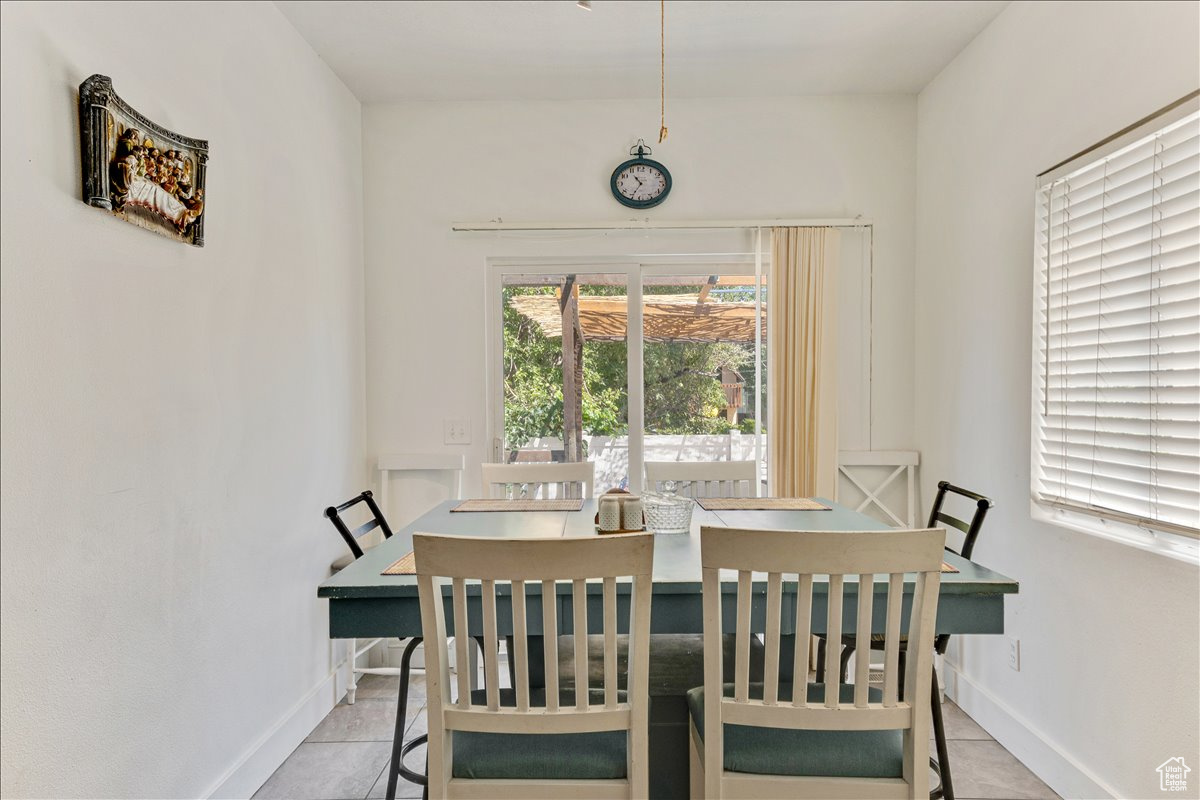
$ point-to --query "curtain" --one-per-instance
(802, 362)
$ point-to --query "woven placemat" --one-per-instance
(519, 505)
(760, 504)
(405, 565)
(947, 568)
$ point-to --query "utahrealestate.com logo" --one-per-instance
(1172, 775)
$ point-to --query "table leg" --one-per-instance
(536, 650)
(787, 655)
(473, 662)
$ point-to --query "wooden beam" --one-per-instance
(572, 370)
(707, 287)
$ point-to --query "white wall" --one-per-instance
(1107, 689)
(174, 419)
(428, 164)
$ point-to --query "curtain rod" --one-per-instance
(647, 224)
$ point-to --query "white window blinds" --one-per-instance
(1117, 329)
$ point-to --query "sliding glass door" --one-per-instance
(626, 362)
(703, 366)
(564, 371)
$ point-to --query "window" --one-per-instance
(681, 382)
(1116, 432)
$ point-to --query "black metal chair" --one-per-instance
(400, 748)
(352, 536)
(970, 530)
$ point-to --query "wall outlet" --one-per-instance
(456, 431)
(1014, 653)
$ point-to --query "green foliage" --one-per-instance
(683, 385)
(683, 393)
(533, 402)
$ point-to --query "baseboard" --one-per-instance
(1046, 758)
(265, 755)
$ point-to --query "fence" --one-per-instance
(611, 453)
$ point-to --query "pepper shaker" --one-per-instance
(631, 514)
(610, 514)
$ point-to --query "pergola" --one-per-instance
(665, 318)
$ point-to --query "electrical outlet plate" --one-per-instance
(456, 431)
(1014, 653)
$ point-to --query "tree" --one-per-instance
(683, 393)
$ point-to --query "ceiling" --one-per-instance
(520, 49)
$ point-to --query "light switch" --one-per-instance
(457, 431)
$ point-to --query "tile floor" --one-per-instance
(345, 757)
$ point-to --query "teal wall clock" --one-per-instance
(640, 182)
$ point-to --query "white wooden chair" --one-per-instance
(540, 481)
(705, 478)
(825, 740)
(415, 464)
(536, 743)
(861, 474)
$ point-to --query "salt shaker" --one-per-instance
(631, 514)
(610, 514)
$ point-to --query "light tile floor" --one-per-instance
(346, 756)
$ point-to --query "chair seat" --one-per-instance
(540, 756)
(787, 751)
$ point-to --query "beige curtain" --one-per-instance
(802, 362)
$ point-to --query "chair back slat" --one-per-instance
(833, 626)
(550, 642)
(491, 645)
(705, 478)
(539, 481)
(638, 677)
(862, 666)
(921, 630)
(771, 640)
(891, 646)
(520, 653)
(953, 522)
(804, 585)
(741, 664)
(610, 642)
(579, 633)
(366, 527)
(461, 642)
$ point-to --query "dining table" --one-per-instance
(365, 603)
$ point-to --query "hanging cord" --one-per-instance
(662, 64)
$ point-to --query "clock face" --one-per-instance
(641, 183)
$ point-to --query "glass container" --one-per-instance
(667, 512)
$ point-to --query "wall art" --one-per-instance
(137, 169)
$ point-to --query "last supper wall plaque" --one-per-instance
(137, 169)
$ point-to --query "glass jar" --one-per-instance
(667, 512)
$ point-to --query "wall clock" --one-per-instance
(640, 182)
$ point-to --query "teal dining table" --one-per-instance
(364, 603)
